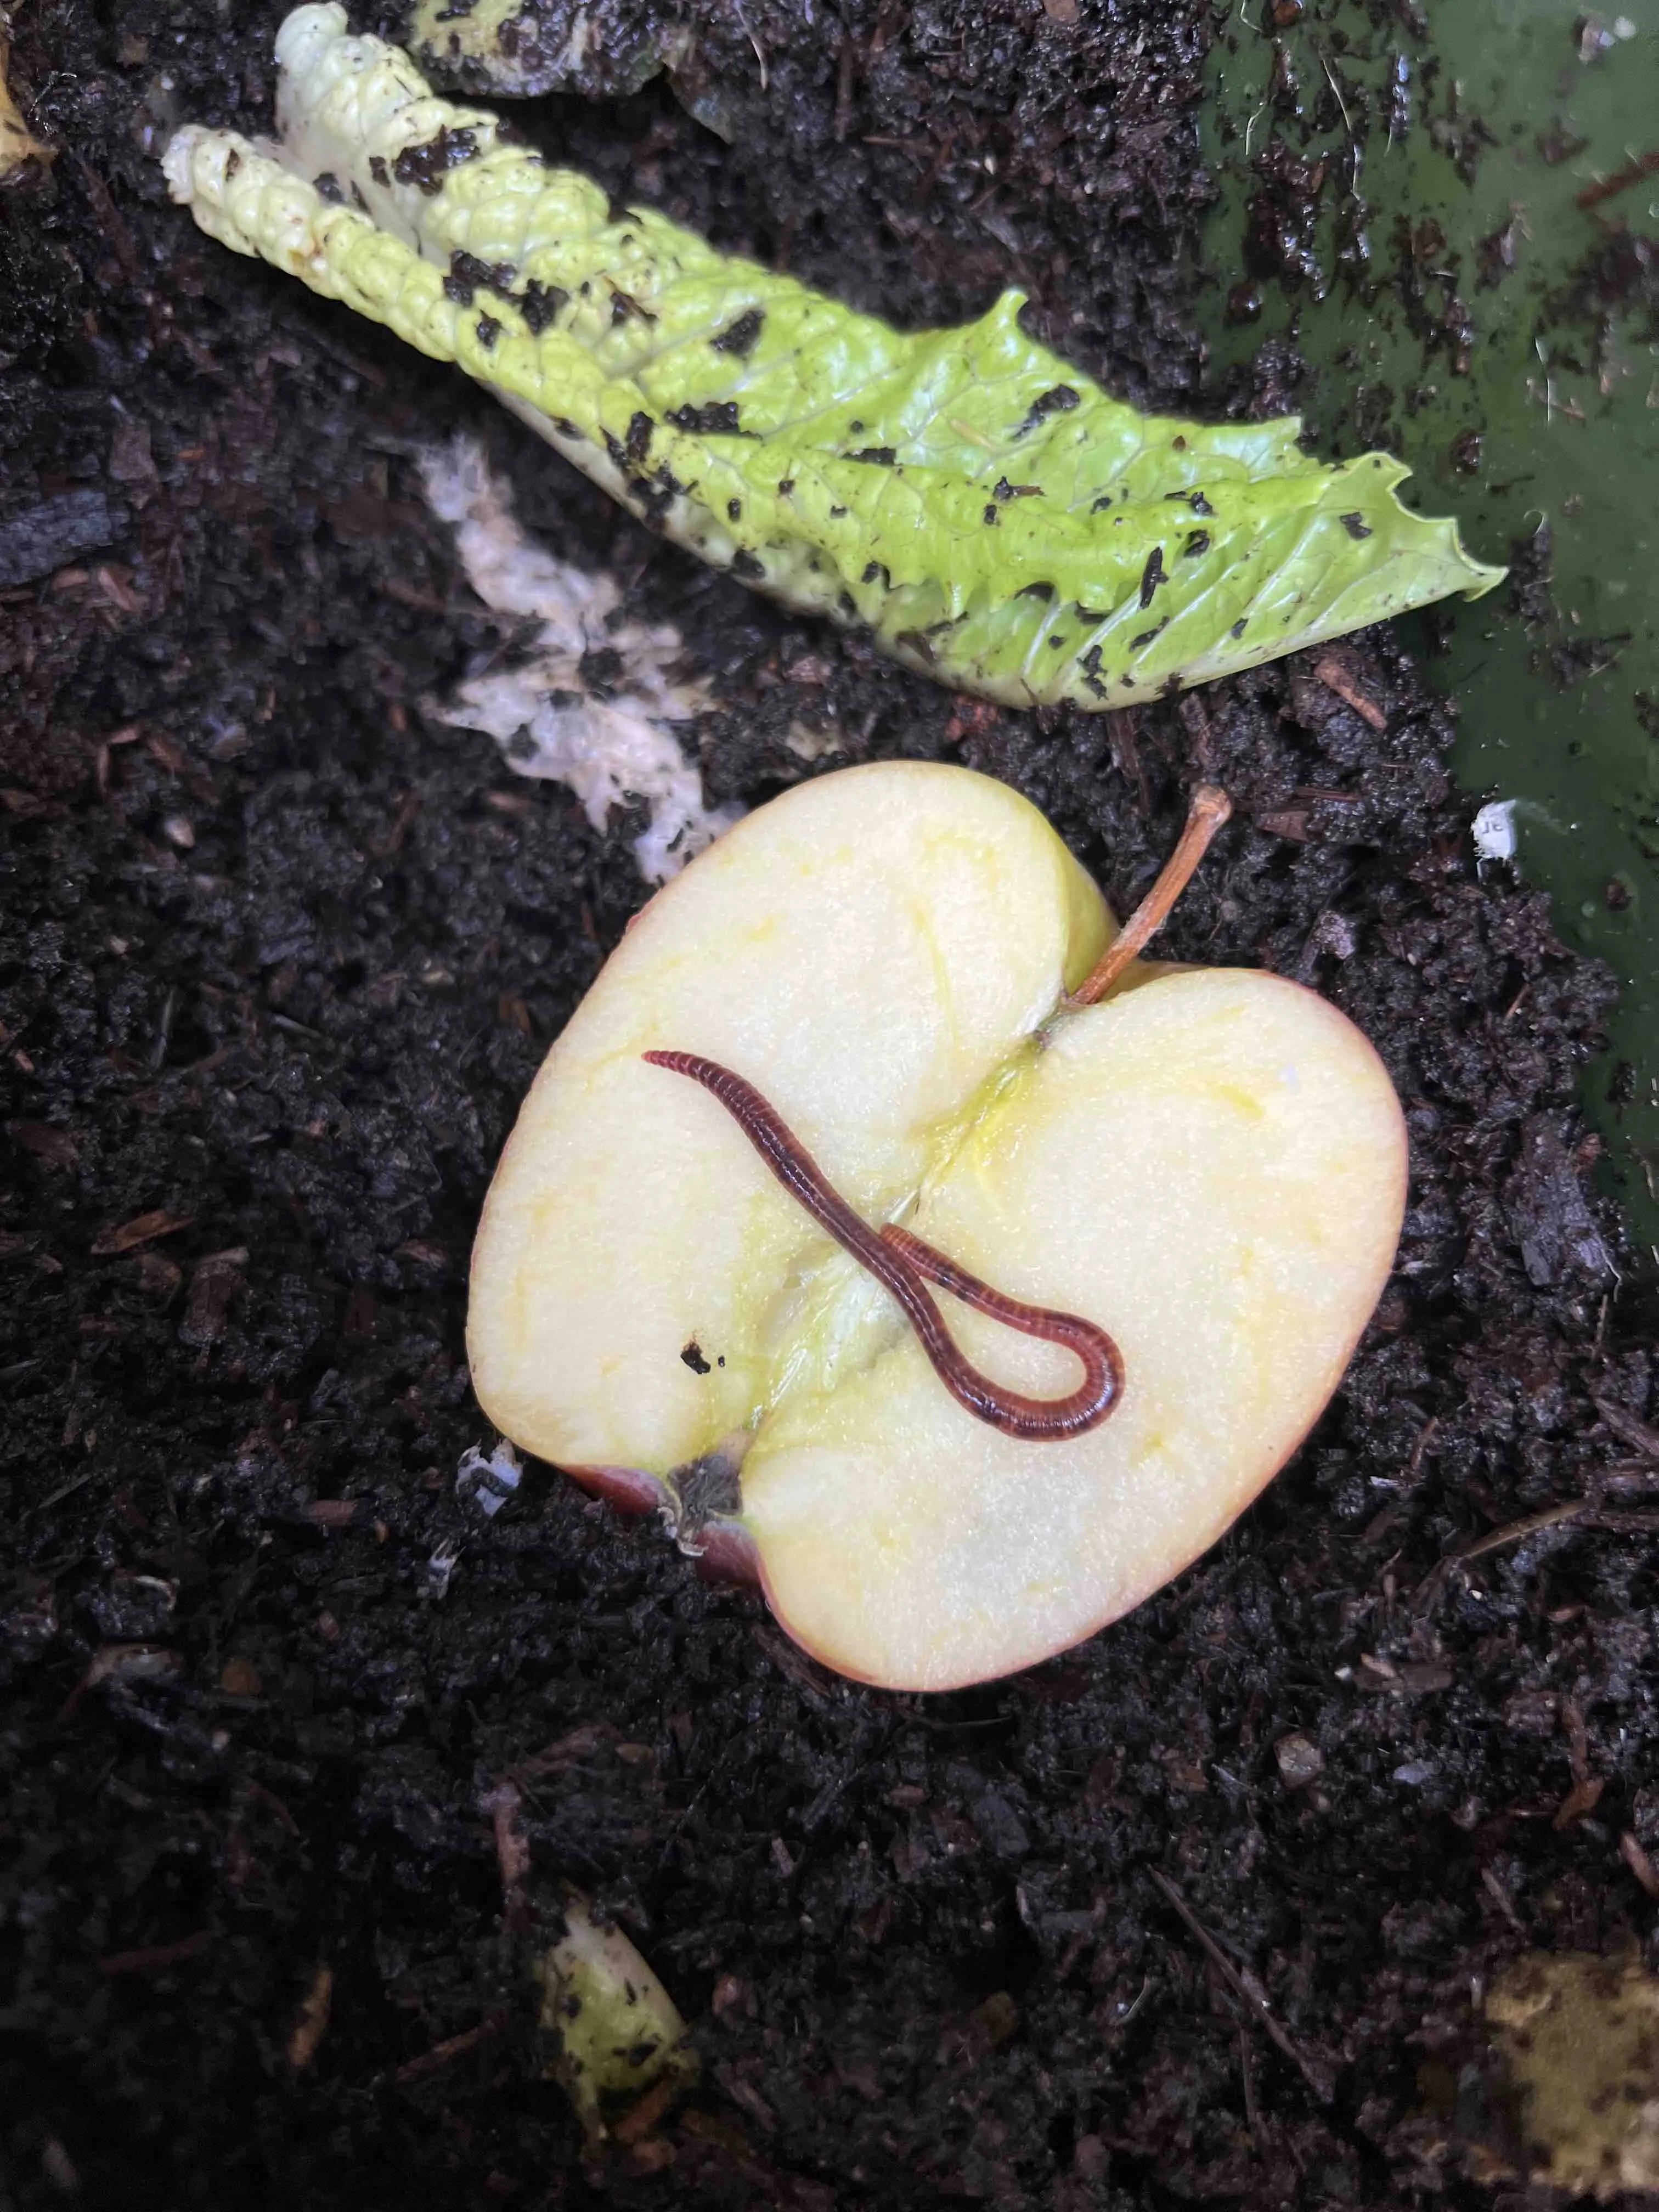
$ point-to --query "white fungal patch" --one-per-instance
(543, 712)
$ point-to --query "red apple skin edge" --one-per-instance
(725, 1552)
(729, 1554)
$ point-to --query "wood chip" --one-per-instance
(214, 1286)
(53, 1147)
(143, 1229)
(1300, 1761)
(336, 1512)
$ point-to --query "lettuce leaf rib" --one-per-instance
(986, 512)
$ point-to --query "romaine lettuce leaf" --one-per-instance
(979, 506)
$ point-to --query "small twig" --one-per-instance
(1628, 1477)
(1612, 1523)
(1501, 1897)
(1584, 1512)
(152, 1957)
(1639, 166)
(846, 71)
(1628, 1430)
(1331, 673)
(819, 1687)
(1209, 808)
(760, 50)
(454, 2046)
(66, 1489)
(1425, 1436)
(1348, 121)
(511, 1855)
(1247, 2074)
(1516, 1532)
(1316, 2069)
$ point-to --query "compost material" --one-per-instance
(302, 1741)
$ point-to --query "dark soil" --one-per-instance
(277, 961)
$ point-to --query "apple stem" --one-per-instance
(1209, 808)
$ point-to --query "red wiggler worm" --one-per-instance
(899, 1261)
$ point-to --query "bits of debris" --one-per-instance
(1597, 36)
(440, 1568)
(215, 1287)
(159, 1277)
(125, 1663)
(59, 2167)
(617, 2031)
(132, 1662)
(1299, 1761)
(1548, 1212)
(311, 2024)
(999, 1826)
(43, 536)
(143, 1229)
(489, 1481)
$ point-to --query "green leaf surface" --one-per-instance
(987, 512)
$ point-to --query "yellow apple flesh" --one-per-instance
(1210, 1164)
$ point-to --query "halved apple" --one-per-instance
(1210, 1163)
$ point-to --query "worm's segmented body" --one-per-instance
(899, 1261)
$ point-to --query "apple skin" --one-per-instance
(1211, 1165)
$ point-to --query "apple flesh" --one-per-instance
(1210, 1163)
